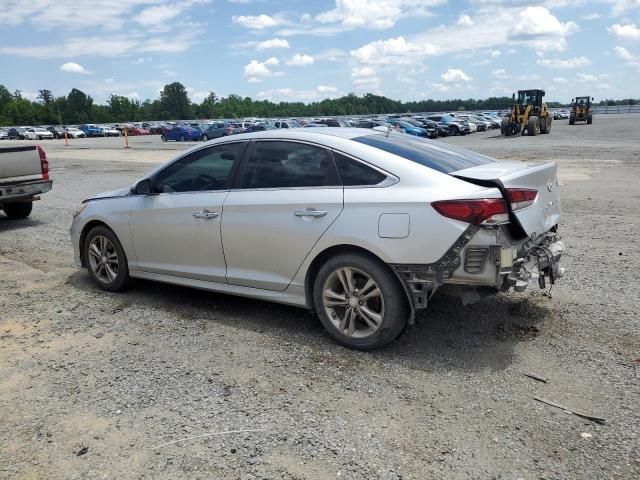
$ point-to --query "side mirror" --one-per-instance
(143, 187)
(513, 96)
(592, 99)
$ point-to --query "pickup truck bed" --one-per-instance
(24, 175)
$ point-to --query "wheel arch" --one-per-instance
(329, 252)
(91, 224)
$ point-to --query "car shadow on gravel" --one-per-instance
(446, 336)
(7, 224)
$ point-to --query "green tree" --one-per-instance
(175, 101)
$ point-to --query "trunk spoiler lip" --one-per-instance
(515, 227)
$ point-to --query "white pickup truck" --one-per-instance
(24, 175)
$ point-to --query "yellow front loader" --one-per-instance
(529, 114)
(581, 110)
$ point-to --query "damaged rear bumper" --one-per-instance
(482, 258)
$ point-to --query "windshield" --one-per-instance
(527, 98)
(440, 157)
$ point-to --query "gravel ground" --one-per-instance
(99, 385)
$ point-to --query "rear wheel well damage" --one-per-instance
(322, 257)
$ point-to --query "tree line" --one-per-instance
(174, 104)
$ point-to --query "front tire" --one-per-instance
(533, 126)
(18, 210)
(182, 139)
(163, 138)
(204, 138)
(359, 301)
(105, 259)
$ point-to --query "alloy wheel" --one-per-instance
(103, 259)
(353, 302)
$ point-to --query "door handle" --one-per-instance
(310, 212)
(205, 214)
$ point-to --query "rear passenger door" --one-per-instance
(287, 196)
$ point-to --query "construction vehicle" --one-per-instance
(529, 114)
(581, 110)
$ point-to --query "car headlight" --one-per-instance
(79, 210)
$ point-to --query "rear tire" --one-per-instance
(182, 138)
(18, 210)
(589, 119)
(454, 130)
(370, 312)
(163, 138)
(205, 138)
(572, 119)
(105, 259)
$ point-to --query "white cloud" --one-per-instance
(272, 44)
(560, 80)
(584, 77)
(439, 87)
(625, 32)
(495, 53)
(72, 67)
(500, 73)
(259, 22)
(133, 95)
(622, 6)
(256, 71)
(542, 30)
(331, 55)
(455, 75)
(300, 60)
(374, 14)
(567, 63)
(159, 14)
(590, 16)
(365, 79)
(394, 51)
(327, 89)
(289, 94)
(465, 20)
(623, 53)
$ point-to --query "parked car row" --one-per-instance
(419, 125)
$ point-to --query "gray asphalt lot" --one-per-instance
(248, 389)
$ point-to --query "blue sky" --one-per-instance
(309, 50)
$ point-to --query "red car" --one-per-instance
(135, 131)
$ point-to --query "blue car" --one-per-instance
(406, 127)
(91, 130)
(181, 133)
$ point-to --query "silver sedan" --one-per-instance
(361, 227)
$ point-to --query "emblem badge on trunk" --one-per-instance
(550, 185)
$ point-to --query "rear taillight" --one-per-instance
(229, 130)
(482, 211)
(44, 163)
(521, 197)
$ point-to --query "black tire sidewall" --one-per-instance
(395, 301)
(122, 279)
(16, 211)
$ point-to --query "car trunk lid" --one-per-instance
(544, 213)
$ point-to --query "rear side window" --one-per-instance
(437, 156)
(289, 165)
(354, 173)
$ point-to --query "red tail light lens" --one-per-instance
(44, 163)
(521, 197)
(482, 211)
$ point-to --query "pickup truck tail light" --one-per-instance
(521, 198)
(229, 130)
(44, 163)
(481, 211)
